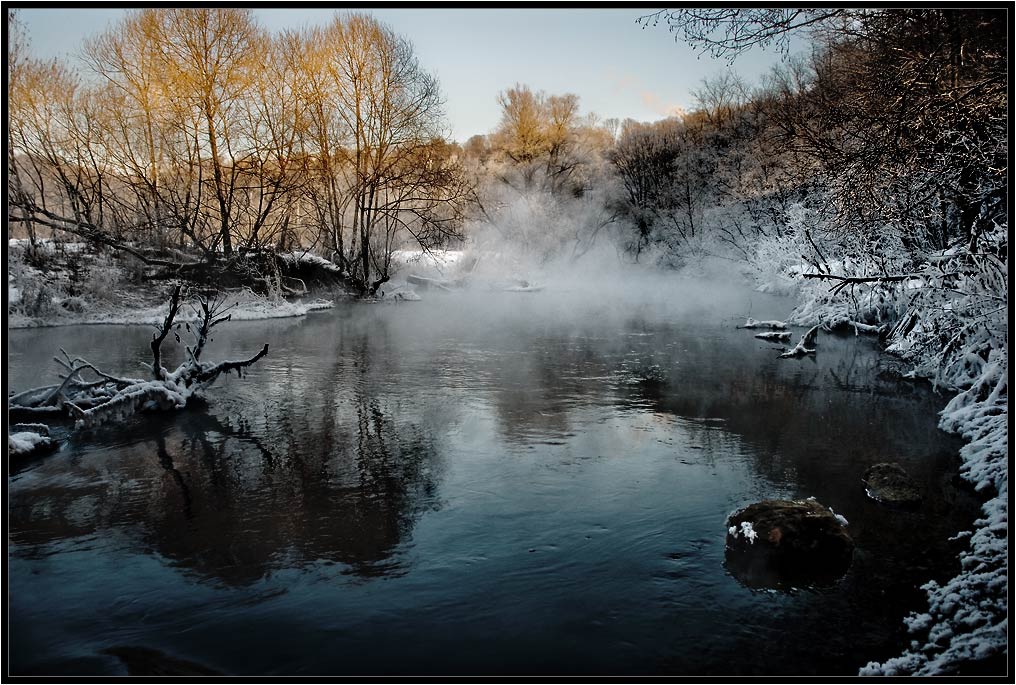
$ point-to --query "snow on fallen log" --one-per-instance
(865, 328)
(40, 428)
(92, 402)
(779, 336)
(803, 346)
(754, 323)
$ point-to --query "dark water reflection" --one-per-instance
(503, 485)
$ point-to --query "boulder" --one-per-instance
(890, 484)
(779, 543)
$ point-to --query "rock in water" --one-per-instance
(890, 484)
(780, 543)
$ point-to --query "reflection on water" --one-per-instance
(457, 487)
(209, 494)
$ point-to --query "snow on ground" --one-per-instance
(249, 307)
(24, 443)
(61, 284)
(431, 259)
(47, 244)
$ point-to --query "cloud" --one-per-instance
(655, 103)
(623, 80)
(628, 82)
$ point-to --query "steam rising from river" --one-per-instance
(493, 277)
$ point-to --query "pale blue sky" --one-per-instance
(615, 67)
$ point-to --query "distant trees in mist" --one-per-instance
(890, 134)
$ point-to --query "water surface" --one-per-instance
(505, 484)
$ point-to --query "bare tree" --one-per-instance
(378, 117)
(521, 134)
(211, 57)
(729, 32)
(273, 173)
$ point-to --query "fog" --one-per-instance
(559, 268)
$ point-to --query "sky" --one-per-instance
(617, 68)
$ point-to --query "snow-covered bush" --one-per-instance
(37, 298)
(101, 281)
(957, 316)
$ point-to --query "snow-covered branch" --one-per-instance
(803, 346)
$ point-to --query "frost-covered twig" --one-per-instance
(207, 374)
(27, 398)
(844, 281)
(209, 315)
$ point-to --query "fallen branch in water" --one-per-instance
(865, 328)
(753, 323)
(774, 335)
(802, 348)
(108, 397)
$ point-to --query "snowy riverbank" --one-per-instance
(59, 283)
(248, 307)
(966, 619)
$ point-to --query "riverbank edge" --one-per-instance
(256, 310)
(966, 622)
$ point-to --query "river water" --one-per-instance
(513, 483)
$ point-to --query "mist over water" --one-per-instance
(601, 280)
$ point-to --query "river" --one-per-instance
(511, 483)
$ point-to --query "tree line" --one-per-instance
(196, 130)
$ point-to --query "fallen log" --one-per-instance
(802, 348)
(774, 335)
(425, 282)
(107, 397)
(774, 325)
